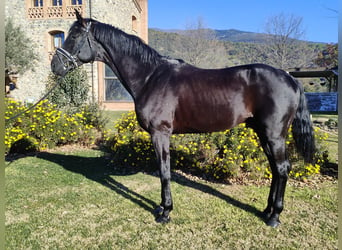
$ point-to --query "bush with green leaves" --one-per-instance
(19, 53)
(71, 92)
(222, 155)
(72, 96)
(45, 126)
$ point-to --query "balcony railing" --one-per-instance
(50, 12)
(54, 12)
(36, 13)
(70, 10)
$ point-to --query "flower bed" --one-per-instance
(44, 127)
(232, 153)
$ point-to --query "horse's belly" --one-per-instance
(207, 119)
(210, 109)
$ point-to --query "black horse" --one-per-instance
(172, 96)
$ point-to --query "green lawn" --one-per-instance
(75, 199)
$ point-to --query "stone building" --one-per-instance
(47, 22)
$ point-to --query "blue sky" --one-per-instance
(320, 23)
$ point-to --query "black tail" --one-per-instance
(302, 130)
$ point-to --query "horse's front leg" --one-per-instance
(161, 143)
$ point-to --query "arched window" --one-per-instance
(57, 39)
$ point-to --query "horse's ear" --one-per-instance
(79, 17)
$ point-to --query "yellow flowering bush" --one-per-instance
(131, 144)
(45, 126)
(300, 170)
(232, 153)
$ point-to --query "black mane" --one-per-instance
(124, 43)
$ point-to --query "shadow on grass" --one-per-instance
(182, 180)
(100, 169)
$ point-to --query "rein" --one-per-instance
(34, 105)
(70, 59)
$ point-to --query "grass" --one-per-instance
(75, 199)
(332, 142)
(112, 116)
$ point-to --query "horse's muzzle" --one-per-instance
(57, 67)
(63, 62)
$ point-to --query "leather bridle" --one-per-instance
(71, 61)
(69, 64)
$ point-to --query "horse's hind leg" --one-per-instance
(274, 148)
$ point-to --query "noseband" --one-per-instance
(70, 63)
(71, 60)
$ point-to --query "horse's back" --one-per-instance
(191, 99)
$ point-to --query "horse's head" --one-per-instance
(77, 49)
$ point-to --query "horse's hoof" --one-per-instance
(163, 219)
(273, 223)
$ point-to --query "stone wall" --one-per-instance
(116, 12)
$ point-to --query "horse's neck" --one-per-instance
(131, 69)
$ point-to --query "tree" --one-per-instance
(252, 53)
(328, 57)
(19, 55)
(200, 47)
(284, 48)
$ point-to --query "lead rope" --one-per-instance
(71, 58)
(40, 100)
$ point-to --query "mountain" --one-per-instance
(231, 35)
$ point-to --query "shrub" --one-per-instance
(24, 145)
(71, 93)
(46, 126)
(221, 155)
(72, 96)
(94, 116)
